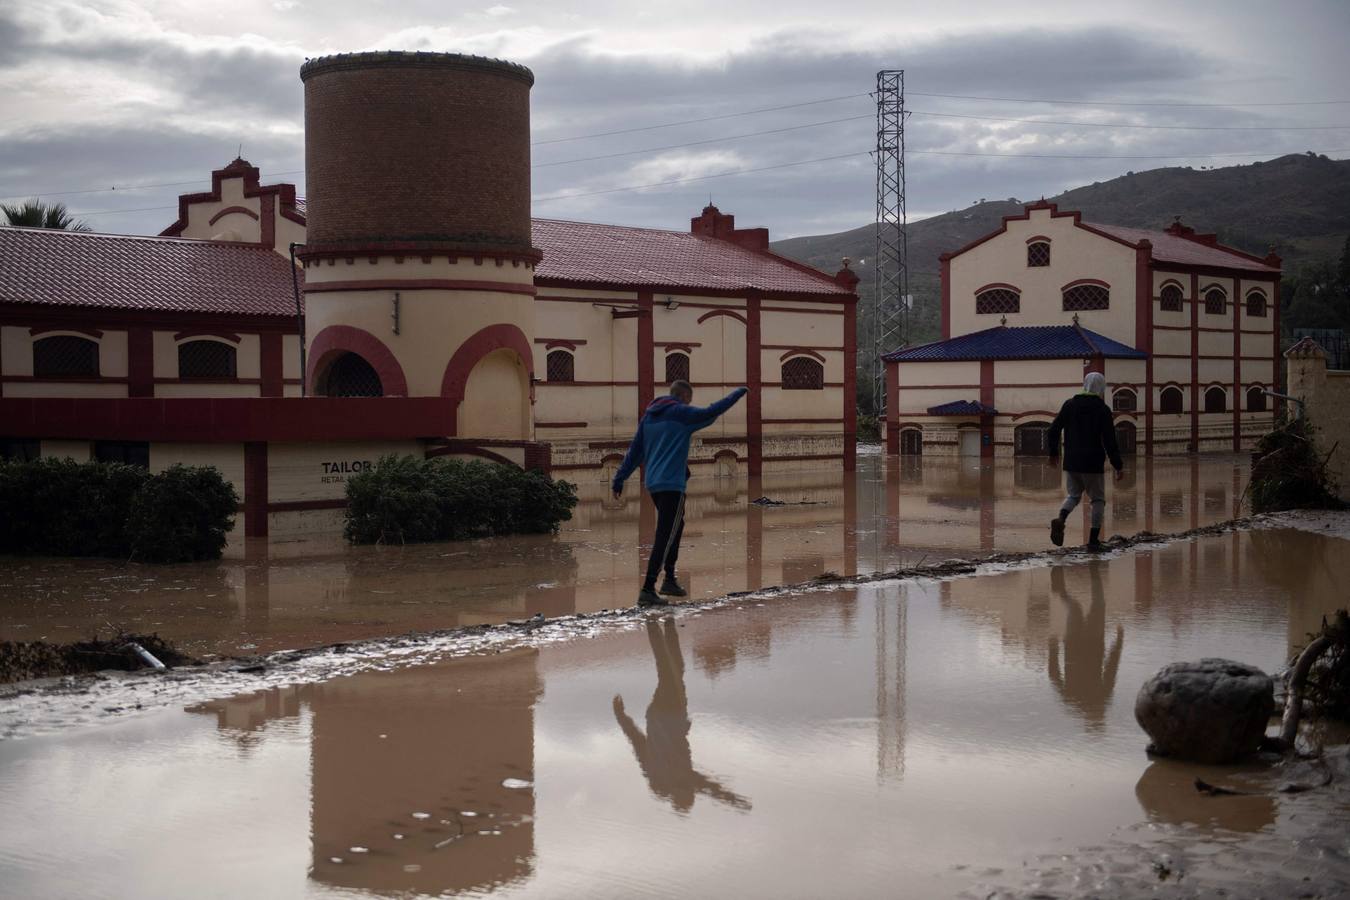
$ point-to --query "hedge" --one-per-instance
(58, 507)
(403, 499)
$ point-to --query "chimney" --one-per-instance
(714, 223)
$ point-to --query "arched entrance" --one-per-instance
(911, 442)
(349, 375)
(496, 400)
(1030, 439)
(1126, 434)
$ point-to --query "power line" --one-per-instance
(134, 187)
(1124, 125)
(1111, 156)
(1129, 103)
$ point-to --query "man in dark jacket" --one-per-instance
(662, 445)
(1089, 438)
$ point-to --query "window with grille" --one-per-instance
(1087, 296)
(1216, 302)
(1216, 400)
(1171, 400)
(801, 373)
(1169, 300)
(206, 359)
(65, 356)
(677, 367)
(911, 442)
(1038, 254)
(351, 376)
(1256, 304)
(997, 300)
(1126, 433)
(561, 366)
(1030, 439)
(1256, 399)
(131, 453)
(1125, 400)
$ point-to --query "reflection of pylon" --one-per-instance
(890, 660)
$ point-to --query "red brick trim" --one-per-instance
(712, 441)
(850, 390)
(427, 250)
(337, 339)
(833, 297)
(646, 353)
(1082, 281)
(945, 262)
(805, 312)
(305, 506)
(542, 384)
(1038, 238)
(418, 284)
(285, 193)
(486, 340)
(998, 285)
(48, 329)
(1034, 412)
(206, 380)
(677, 346)
(222, 335)
(827, 420)
(76, 319)
(561, 424)
(801, 351)
(722, 312)
(819, 348)
(1237, 366)
(255, 489)
(1278, 405)
(754, 425)
(230, 210)
(1025, 215)
(554, 343)
(987, 399)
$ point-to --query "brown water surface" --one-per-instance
(899, 739)
(314, 590)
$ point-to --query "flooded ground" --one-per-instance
(968, 737)
(315, 590)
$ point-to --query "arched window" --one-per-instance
(1171, 400)
(351, 376)
(206, 359)
(802, 373)
(1216, 301)
(65, 356)
(1086, 296)
(561, 365)
(1256, 399)
(1169, 299)
(1038, 254)
(1029, 439)
(1124, 400)
(997, 300)
(677, 367)
(1256, 304)
(1216, 400)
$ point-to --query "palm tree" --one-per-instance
(36, 214)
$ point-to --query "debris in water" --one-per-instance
(421, 815)
(516, 783)
(359, 849)
(21, 660)
(412, 867)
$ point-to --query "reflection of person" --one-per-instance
(663, 752)
(1089, 438)
(1088, 679)
(662, 445)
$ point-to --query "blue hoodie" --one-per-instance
(662, 441)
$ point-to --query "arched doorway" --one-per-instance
(911, 442)
(349, 375)
(496, 401)
(1126, 434)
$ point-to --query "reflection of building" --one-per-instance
(426, 284)
(1185, 330)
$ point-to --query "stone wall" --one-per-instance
(1326, 398)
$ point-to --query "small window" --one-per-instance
(801, 373)
(1216, 302)
(65, 356)
(677, 367)
(1169, 300)
(1256, 305)
(997, 300)
(1216, 400)
(206, 359)
(1256, 399)
(561, 366)
(1125, 400)
(351, 376)
(1171, 400)
(131, 453)
(1038, 254)
(1087, 296)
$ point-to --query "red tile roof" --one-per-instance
(114, 271)
(621, 255)
(1171, 248)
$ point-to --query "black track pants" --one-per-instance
(669, 530)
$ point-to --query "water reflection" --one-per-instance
(1166, 793)
(663, 752)
(1088, 678)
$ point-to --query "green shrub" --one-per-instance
(181, 514)
(59, 507)
(403, 499)
(869, 428)
(1288, 472)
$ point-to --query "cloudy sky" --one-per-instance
(148, 97)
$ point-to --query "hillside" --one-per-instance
(1297, 204)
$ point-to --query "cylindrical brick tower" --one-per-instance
(419, 265)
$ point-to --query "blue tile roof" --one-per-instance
(962, 408)
(1024, 342)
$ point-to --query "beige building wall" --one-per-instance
(1326, 398)
(227, 458)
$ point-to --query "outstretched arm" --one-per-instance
(631, 460)
(703, 416)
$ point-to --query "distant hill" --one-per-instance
(1297, 204)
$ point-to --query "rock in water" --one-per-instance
(1212, 711)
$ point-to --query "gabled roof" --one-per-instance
(962, 408)
(1187, 251)
(1019, 342)
(620, 255)
(116, 271)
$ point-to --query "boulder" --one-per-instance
(1211, 711)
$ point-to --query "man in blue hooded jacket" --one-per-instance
(662, 445)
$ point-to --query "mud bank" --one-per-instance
(26, 661)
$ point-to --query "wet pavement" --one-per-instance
(314, 590)
(923, 738)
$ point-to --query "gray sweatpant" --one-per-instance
(1095, 485)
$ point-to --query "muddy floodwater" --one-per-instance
(313, 589)
(965, 737)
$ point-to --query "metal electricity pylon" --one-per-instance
(890, 270)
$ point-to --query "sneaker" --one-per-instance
(671, 588)
(1057, 531)
(651, 598)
